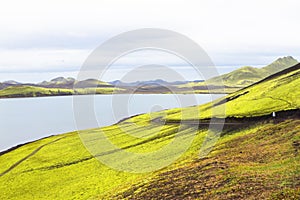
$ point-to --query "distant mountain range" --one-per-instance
(60, 82)
(232, 81)
(157, 82)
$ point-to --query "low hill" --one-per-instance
(258, 158)
(91, 83)
(70, 83)
(59, 82)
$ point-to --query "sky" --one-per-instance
(40, 40)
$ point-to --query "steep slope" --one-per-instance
(252, 160)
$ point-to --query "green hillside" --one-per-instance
(245, 76)
(248, 75)
(257, 159)
(280, 92)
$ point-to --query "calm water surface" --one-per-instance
(27, 119)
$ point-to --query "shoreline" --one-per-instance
(228, 122)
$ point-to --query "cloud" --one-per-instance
(59, 35)
(41, 60)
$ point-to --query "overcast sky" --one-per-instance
(47, 38)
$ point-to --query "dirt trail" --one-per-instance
(237, 121)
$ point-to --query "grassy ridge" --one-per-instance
(258, 159)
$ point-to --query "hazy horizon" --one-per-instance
(55, 37)
(37, 77)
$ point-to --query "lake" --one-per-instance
(27, 119)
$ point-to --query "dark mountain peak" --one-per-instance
(280, 64)
(62, 79)
(155, 82)
(58, 79)
(286, 58)
(116, 82)
(59, 82)
(11, 82)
